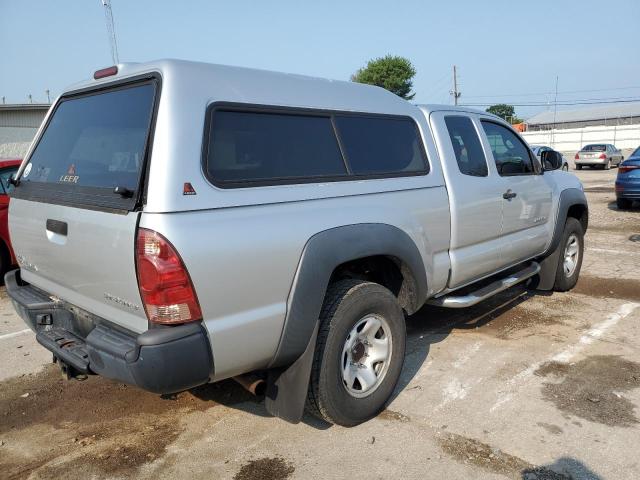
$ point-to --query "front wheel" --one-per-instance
(359, 353)
(570, 259)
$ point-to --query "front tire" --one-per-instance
(359, 354)
(570, 258)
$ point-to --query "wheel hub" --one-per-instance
(366, 355)
(358, 351)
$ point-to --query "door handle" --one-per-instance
(508, 195)
(56, 226)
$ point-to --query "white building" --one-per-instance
(18, 126)
(569, 130)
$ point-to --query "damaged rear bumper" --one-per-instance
(161, 360)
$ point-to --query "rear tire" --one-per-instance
(349, 384)
(607, 166)
(565, 167)
(623, 203)
(570, 258)
(578, 167)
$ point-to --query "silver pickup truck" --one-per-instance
(179, 223)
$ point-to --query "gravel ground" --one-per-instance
(525, 386)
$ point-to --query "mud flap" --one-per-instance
(546, 279)
(287, 387)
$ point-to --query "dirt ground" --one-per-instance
(529, 385)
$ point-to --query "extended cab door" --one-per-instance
(526, 195)
(475, 197)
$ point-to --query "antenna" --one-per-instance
(111, 30)
(455, 93)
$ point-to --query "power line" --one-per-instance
(561, 103)
(566, 92)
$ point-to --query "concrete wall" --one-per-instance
(18, 126)
(569, 141)
(15, 141)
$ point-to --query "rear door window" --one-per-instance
(466, 146)
(381, 145)
(92, 144)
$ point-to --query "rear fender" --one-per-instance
(291, 366)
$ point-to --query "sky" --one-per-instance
(506, 50)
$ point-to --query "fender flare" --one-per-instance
(291, 367)
(549, 260)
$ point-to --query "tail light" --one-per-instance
(165, 286)
(577, 157)
(627, 168)
(602, 156)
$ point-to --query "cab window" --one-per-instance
(509, 152)
(466, 146)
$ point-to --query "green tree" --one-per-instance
(504, 111)
(391, 72)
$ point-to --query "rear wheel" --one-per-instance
(359, 354)
(607, 166)
(570, 259)
(623, 203)
(578, 167)
(565, 167)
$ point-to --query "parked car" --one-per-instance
(628, 181)
(8, 167)
(603, 155)
(179, 223)
(538, 149)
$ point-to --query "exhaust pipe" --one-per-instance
(252, 383)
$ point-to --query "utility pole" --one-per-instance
(48, 96)
(455, 93)
(555, 112)
(111, 31)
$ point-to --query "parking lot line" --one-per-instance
(14, 334)
(607, 250)
(567, 354)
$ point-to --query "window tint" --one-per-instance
(379, 145)
(251, 146)
(594, 148)
(95, 141)
(466, 145)
(510, 154)
(5, 175)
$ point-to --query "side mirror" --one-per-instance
(551, 160)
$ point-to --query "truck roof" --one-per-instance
(262, 87)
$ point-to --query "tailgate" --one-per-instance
(74, 212)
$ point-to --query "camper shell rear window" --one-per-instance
(255, 146)
(94, 143)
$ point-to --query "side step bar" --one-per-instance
(463, 301)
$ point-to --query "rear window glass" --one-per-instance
(467, 147)
(378, 145)
(96, 140)
(252, 146)
(595, 148)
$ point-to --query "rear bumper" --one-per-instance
(591, 161)
(161, 360)
(629, 190)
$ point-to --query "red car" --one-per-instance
(7, 168)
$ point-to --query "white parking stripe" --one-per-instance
(565, 355)
(599, 185)
(14, 334)
(617, 252)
